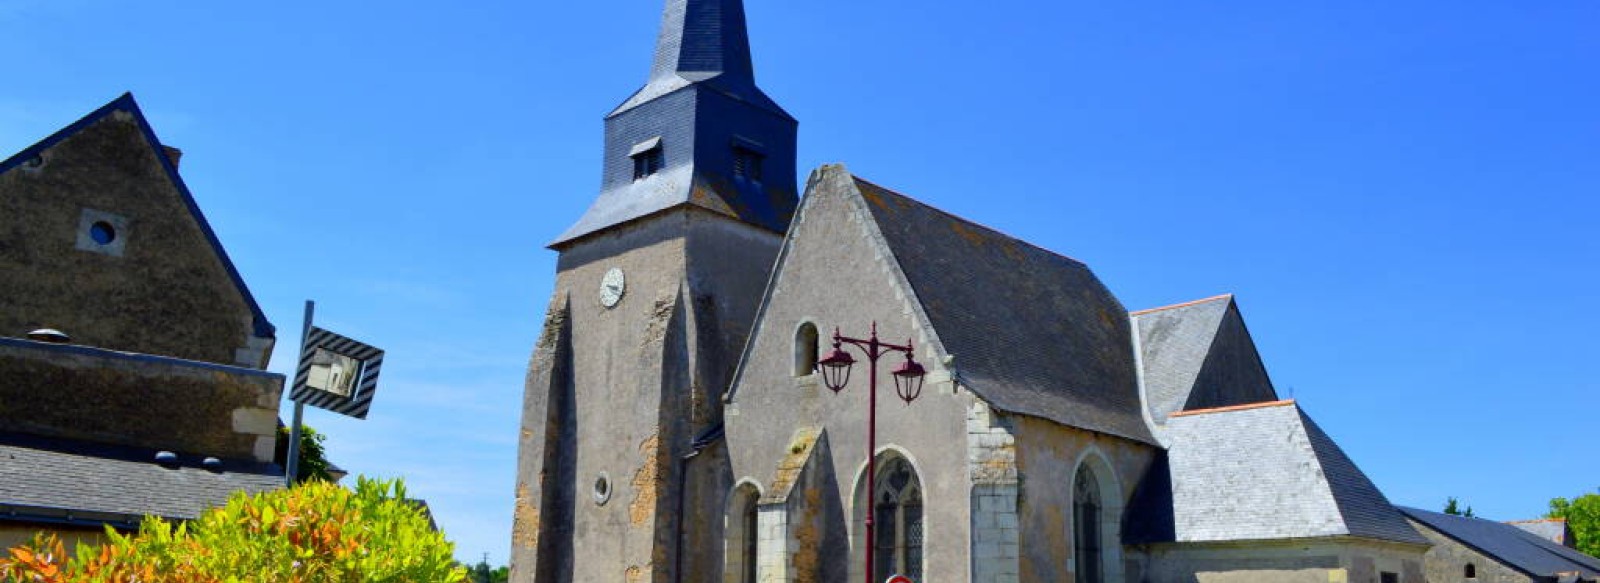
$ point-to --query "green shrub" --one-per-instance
(316, 532)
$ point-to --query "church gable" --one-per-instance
(101, 239)
(1198, 355)
(835, 272)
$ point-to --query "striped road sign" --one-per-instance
(337, 374)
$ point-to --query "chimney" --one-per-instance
(173, 155)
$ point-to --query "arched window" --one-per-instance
(805, 349)
(897, 520)
(1086, 514)
(742, 532)
(1471, 572)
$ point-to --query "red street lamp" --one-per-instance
(835, 368)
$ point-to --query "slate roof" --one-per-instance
(1511, 546)
(707, 42)
(1258, 472)
(125, 103)
(76, 476)
(703, 51)
(1198, 355)
(1032, 332)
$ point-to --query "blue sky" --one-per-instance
(1402, 195)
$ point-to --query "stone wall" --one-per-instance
(996, 529)
(833, 276)
(617, 395)
(1447, 561)
(110, 397)
(1050, 456)
(159, 286)
(1322, 560)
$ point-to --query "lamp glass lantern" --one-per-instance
(836, 368)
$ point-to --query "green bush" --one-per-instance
(316, 532)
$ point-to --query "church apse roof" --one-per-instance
(1258, 472)
(1031, 331)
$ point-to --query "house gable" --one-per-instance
(158, 283)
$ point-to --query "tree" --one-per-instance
(1583, 517)
(316, 532)
(313, 458)
(1453, 508)
(483, 573)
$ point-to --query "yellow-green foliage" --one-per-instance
(314, 533)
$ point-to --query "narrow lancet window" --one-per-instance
(805, 350)
(897, 520)
(743, 534)
(1086, 536)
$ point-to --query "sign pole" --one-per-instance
(290, 472)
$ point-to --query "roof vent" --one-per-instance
(50, 335)
(212, 464)
(167, 459)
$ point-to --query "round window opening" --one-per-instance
(602, 489)
(102, 232)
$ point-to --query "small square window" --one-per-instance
(646, 163)
(1387, 577)
(647, 158)
(747, 164)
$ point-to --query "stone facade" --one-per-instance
(1448, 560)
(105, 396)
(618, 394)
(1278, 561)
(833, 235)
(157, 401)
(160, 285)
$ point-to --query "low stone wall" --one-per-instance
(137, 400)
(1322, 560)
(1448, 559)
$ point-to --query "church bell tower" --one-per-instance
(621, 473)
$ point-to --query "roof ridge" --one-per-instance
(1227, 296)
(966, 221)
(1533, 520)
(55, 137)
(1232, 408)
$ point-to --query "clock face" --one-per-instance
(611, 287)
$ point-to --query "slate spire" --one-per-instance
(699, 134)
(701, 39)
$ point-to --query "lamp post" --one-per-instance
(908, 375)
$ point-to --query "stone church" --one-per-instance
(677, 426)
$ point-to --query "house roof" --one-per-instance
(1256, 472)
(1508, 544)
(1031, 331)
(74, 476)
(126, 103)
